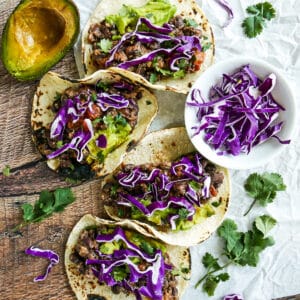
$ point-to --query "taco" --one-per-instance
(84, 127)
(165, 43)
(168, 189)
(111, 260)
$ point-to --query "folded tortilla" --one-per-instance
(42, 115)
(185, 8)
(167, 146)
(87, 288)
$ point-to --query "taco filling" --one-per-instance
(125, 261)
(169, 195)
(91, 121)
(151, 41)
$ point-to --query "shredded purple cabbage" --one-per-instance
(153, 275)
(74, 109)
(233, 297)
(240, 113)
(160, 186)
(48, 254)
(228, 9)
(183, 47)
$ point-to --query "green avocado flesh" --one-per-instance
(157, 11)
(146, 244)
(158, 216)
(116, 134)
(37, 35)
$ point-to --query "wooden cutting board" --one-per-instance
(29, 176)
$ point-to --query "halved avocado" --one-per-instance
(37, 35)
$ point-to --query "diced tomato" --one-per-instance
(213, 191)
(199, 59)
(95, 113)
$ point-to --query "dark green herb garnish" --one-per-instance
(147, 247)
(216, 203)
(183, 213)
(6, 170)
(263, 188)
(206, 46)
(260, 13)
(153, 78)
(94, 97)
(191, 22)
(47, 204)
(240, 248)
(104, 86)
(100, 157)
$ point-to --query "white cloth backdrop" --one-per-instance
(278, 272)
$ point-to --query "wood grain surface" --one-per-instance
(29, 175)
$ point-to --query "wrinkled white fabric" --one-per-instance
(278, 272)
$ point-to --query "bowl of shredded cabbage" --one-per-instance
(241, 113)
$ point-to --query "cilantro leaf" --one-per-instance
(260, 12)
(183, 213)
(105, 45)
(210, 262)
(46, 205)
(228, 231)
(27, 212)
(206, 46)
(264, 9)
(223, 277)
(275, 180)
(153, 78)
(6, 170)
(253, 26)
(190, 22)
(264, 224)
(195, 185)
(263, 187)
(241, 248)
(120, 273)
(210, 285)
(63, 197)
(120, 120)
(216, 203)
(103, 85)
(211, 282)
(247, 249)
(254, 244)
(147, 247)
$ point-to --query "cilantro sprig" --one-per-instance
(263, 188)
(47, 204)
(240, 248)
(260, 13)
(6, 171)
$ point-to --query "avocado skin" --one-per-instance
(42, 66)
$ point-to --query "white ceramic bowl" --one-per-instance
(259, 154)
